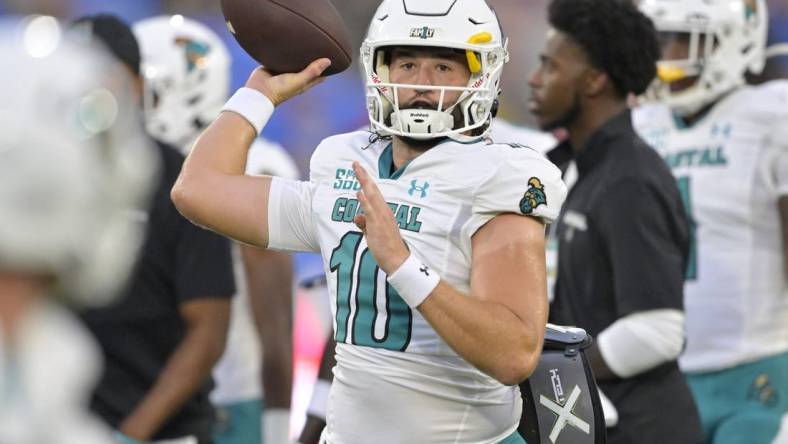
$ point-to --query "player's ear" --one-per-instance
(595, 82)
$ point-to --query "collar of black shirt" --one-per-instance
(597, 145)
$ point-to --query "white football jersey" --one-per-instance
(396, 380)
(506, 132)
(237, 374)
(48, 371)
(731, 167)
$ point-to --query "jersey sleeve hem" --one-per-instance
(290, 227)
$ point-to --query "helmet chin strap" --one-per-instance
(422, 122)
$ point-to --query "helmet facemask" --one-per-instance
(467, 118)
(468, 27)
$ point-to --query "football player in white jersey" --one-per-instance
(727, 144)
(501, 131)
(187, 76)
(76, 173)
(432, 240)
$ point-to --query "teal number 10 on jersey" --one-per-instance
(375, 322)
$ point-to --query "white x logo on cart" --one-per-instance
(565, 415)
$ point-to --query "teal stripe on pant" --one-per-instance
(743, 404)
(239, 423)
(514, 438)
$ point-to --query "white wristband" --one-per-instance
(252, 105)
(318, 405)
(414, 281)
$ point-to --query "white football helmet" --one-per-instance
(733, 33)
(186, 67)
(466, 25)
(75, 165)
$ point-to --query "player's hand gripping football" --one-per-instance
(282, 87)
(378, 224)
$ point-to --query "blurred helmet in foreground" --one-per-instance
(76, 169)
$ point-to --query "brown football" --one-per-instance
(287, 35)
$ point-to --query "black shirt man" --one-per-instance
(622, 233)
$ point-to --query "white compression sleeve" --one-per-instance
(642, 341)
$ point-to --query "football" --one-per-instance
(287, 35)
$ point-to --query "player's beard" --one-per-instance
(422, 145)
(566, 120)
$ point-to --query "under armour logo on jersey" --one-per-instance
(721, 130)
(425, 269)
(564, 414)
(414, 186)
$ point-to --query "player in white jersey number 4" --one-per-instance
(727, 144)
(432, 239)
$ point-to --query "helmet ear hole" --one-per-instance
(494, 110)
(381, 64)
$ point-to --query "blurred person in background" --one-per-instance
(187, 73)
(163, 337)
(76, 171)
(727, 145)
(622, 233)
(317, 409)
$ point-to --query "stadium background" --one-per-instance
(301, 123)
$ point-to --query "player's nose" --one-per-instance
(425, 75)
(535, 79)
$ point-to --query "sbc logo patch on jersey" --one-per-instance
(533, 197)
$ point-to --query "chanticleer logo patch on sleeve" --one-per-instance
(533, 197)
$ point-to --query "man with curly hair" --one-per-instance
(623, 234)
